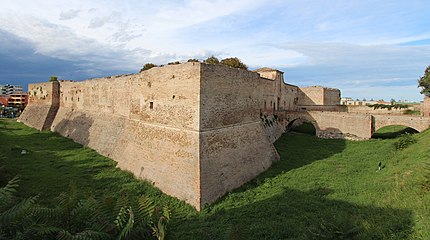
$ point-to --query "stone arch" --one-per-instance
(418, 123)
(411, 127)
(397, 130)
(290, 124)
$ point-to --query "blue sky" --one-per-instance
(368, 49)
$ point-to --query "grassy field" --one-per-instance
(321, 189)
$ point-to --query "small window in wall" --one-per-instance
(151, 105)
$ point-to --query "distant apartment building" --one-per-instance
(13, 96)
(10, 89)
(18, 99)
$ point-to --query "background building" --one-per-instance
(13, 96)
(10, 89)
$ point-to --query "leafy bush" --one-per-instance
(193, 60)
(53, 79)
(404, 141)
(234, 62)
(174, 63)
(147, 66)
(212, 60)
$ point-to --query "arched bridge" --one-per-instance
(416, 122)
(351, 125)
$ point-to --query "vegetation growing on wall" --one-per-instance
(147, 66)
(193, 60)
(212, 60)
(389, 107)
(234, 62)
(53, 79)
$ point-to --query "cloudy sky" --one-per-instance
(367, 48)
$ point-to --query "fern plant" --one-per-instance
(80, 219)
(23, 219)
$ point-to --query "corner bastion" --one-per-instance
(193, 129)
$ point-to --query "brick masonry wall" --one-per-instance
(234, 147)
(331, 96)
(147, 122)
(416, 122)
(194, 130)
(425, 107)
(43, 105)
(370, 110)
(311, 96)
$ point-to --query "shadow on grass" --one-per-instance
(53, 162)
(393, 132)
(294, 214)
(299, 149)
(305, 127)
(291, 214)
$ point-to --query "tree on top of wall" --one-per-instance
(212, 60)
(193, 60)
(147, 66)
(424, 82)
(234, 62)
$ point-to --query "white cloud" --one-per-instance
(340, 43)
(67, 15)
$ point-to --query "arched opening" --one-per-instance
(393, 131)
(301, 126)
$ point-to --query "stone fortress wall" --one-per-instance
(189, 128)
(148, 122)
(195, 130)
(318, 95)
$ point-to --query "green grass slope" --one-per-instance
(320, 189)
(53, 163)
